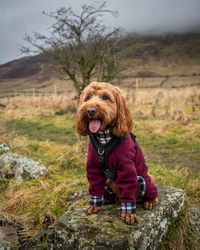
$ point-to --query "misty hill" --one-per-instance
(146, 56)
(165, 55)
(26, 67)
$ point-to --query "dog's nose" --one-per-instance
(91, 111)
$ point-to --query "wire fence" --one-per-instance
(137, 84)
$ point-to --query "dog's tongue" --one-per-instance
(94, 126)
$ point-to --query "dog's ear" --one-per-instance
(123, 124)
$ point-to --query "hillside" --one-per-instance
(150, 59)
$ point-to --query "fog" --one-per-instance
(141, 16)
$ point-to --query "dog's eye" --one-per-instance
(87, 98)
(105, 98)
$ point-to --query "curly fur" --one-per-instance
(112, 112)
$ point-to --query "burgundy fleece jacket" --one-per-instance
(129, 163)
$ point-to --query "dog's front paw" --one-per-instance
(92, 209)
(129, 218)
(150, 204)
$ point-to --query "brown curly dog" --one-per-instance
(115, 164)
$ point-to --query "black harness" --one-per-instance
(103, 152)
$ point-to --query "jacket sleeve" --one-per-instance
(95, 175)
(127, 181)
(142, 170)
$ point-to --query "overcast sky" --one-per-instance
(152, 16)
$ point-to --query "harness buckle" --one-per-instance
(101, 151)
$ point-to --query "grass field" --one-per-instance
(170, 140)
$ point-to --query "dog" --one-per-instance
(115, 162)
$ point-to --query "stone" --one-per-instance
(4, 147)
(20, 168)
(8, 238)
(194, 215)
(4, 245)
(106, 230)
(77, 195)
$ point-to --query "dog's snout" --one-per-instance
(91, 111)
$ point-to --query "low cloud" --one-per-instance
(142, 16)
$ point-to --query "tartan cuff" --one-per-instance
(96, 201)
(142, 185)
(128, 207)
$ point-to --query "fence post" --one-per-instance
(33, 92)
(153, 111)
(55, 89)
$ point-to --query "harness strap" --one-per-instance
(134, 140)
(109, 174)
(103, 152)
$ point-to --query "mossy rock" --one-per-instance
(105, 230)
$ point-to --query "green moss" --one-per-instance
(111, 235)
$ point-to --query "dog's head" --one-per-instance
(103, 106)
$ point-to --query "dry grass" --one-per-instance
(19, 199)
(175, 104)
(36, 199)
(52, 102)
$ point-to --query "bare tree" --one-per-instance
(80, 44)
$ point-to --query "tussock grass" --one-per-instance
(36, 199)
(180, 235)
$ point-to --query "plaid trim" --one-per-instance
(142, 185)
(128, 207)
(96, 201)
(104, 137)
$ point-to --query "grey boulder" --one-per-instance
(105, 230)
(20, 168)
